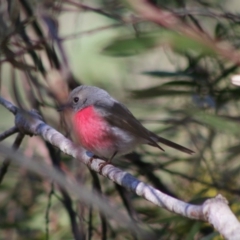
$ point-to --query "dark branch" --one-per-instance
(8, 133)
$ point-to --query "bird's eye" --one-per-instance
(76, 99)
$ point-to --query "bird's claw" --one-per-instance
(101, 166)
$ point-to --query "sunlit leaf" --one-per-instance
(184, 44)
(167, 74)
(216, 122)
(159, 92)
(179, 84)
(167, 89)
(132, 45)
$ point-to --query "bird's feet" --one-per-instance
(108, 161)
(92, 156)
(102, 165)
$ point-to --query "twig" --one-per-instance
(206, 12)
(90, 222)
(6, 162)
(48, 210)
(97, 187)
(13, 109)
(66, 199)
(52, 56)
(92, 9)
(8, 133)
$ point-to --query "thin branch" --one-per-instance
(66, 199)
(7, 161)
(92, 9)
(8, 133)
(48, 210)
(52, 56)
(146, 170)
(126, 202)
(97, 187)
(206, 12)
(90, 221)
(95, 30)
(13, 109)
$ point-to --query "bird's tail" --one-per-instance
(170, 144)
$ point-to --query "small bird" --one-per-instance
(106, 127)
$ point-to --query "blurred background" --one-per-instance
(179, 87)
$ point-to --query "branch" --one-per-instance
(7, 161)
(92, 9)
(66, 199)
(8, 133)
(219, 214)
(206, 12)
(222, 218)
(13, 109)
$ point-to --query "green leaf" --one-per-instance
(217, 122)
(226, 95)
(193, 231)
(182, 43)
(167, 74)
(181, 83)
(220, 30)
(130, 46)
(159, 92)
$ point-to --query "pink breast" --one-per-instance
(92, 130)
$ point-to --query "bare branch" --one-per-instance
(206, 12)
(219, 214)
(8, 133)
(92, 9)
(48, 210)
(6, 162)
(8, 105)
(66, 199)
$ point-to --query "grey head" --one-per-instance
(84, 96)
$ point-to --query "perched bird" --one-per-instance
(106, 128)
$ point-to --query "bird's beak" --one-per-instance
(63, 107)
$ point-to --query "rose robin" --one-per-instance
(106, 128)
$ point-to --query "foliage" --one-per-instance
(178, 85)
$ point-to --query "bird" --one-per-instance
(106, 128)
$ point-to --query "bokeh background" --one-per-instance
(178, 87)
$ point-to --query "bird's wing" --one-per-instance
(118, 115)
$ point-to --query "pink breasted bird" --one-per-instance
(106, 128)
